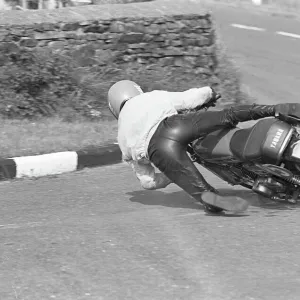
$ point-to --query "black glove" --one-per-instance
(213, 100)
(288, 109)
(215, 97)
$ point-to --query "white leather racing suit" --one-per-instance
(139, 120)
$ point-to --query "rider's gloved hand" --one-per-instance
(287, 109)
(214, 97)
(212, 102)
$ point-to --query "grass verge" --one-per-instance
(22, 137)
(71, 133)
(55, 134)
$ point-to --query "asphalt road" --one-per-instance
(96, 235)
(269, 62)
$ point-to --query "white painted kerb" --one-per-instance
(47, 164)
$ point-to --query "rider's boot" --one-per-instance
(210, 198)
(212, 201)
(215, 203)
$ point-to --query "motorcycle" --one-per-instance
(264, 158)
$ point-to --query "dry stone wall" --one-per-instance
(177, 35)
(160, 44)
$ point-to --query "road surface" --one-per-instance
(269, 62)
(96, 235)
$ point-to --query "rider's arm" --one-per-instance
(148, 178)
(190, 99)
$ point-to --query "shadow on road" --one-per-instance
(256, 200)
(181, 200)
(177, 199)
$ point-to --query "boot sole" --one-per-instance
(229, 203)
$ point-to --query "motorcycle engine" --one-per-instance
(268, 186)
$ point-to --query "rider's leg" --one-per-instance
(170, 158)
(167, 148)
(288, 109)
(167, 151)
(242, 113)
(204, 122)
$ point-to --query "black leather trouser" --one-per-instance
(167, 147)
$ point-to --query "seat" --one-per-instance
(215, 145)
(246, 144)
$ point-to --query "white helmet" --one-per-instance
(121, 92)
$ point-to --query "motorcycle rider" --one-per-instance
(152, 131)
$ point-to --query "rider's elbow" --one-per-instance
(159, 181)
(148, 184)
